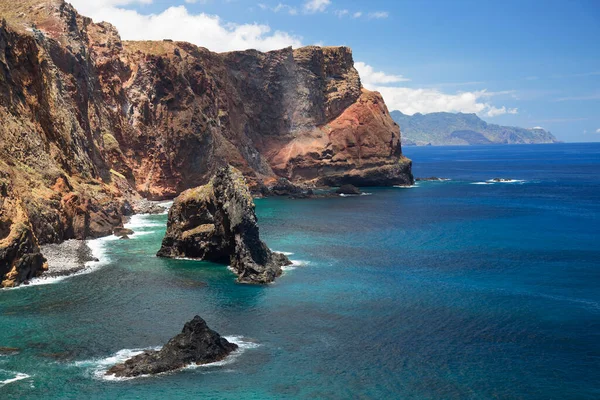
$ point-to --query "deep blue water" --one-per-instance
(449, 290)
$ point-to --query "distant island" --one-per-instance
(442, 128)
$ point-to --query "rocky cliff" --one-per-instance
(90, 123)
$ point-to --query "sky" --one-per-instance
(520, 63)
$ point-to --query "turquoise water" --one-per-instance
(448, 290)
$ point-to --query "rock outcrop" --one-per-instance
(282, 187)
(196, 344)
(348, 189)
(20, 256)
(216, 222)
(91, 124)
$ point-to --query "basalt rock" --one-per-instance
(348, 189)
(217, 222)
(282, 187)
(122, 232)
(196, 344)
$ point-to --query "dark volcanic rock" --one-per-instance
(348, 189)
(122, 232)
(196, 344)
(283, 187)
(216, 222)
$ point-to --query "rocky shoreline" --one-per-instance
(66, 258)
(75, 255)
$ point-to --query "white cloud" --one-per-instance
(286, 8)
(537, 127)
(379, 14)
(314, 6)
(428, 100)
(341, 13)
(424, 101)
(598, 130)
(369, 76)
(178, 23)
(492, 111)
(357, 14)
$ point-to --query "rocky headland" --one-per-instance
(445, 129)
(216, 222)
(92, 124)
(196, 344)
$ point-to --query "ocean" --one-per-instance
(461, 289)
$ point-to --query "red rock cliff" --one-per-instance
(90, 122)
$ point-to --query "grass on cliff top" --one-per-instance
(152, 47)
(200, 193)
(22, 13)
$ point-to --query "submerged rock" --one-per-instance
(432, 178)
(348, 189)
(196, 344)
(216, 222)
(9, 351)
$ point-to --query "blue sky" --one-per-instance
(523, 63)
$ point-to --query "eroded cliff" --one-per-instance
(90, 123)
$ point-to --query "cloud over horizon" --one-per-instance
(427, 100)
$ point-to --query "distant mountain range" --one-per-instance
(439, 129)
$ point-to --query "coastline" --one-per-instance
(76, 257)
(67, 258)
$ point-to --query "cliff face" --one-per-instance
(90, 122)
(299, 114)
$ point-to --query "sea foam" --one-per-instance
(407, 187)
(294, 265)
(139, 221)
(18, 376)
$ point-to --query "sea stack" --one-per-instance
(196, 344)
(217, 222)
